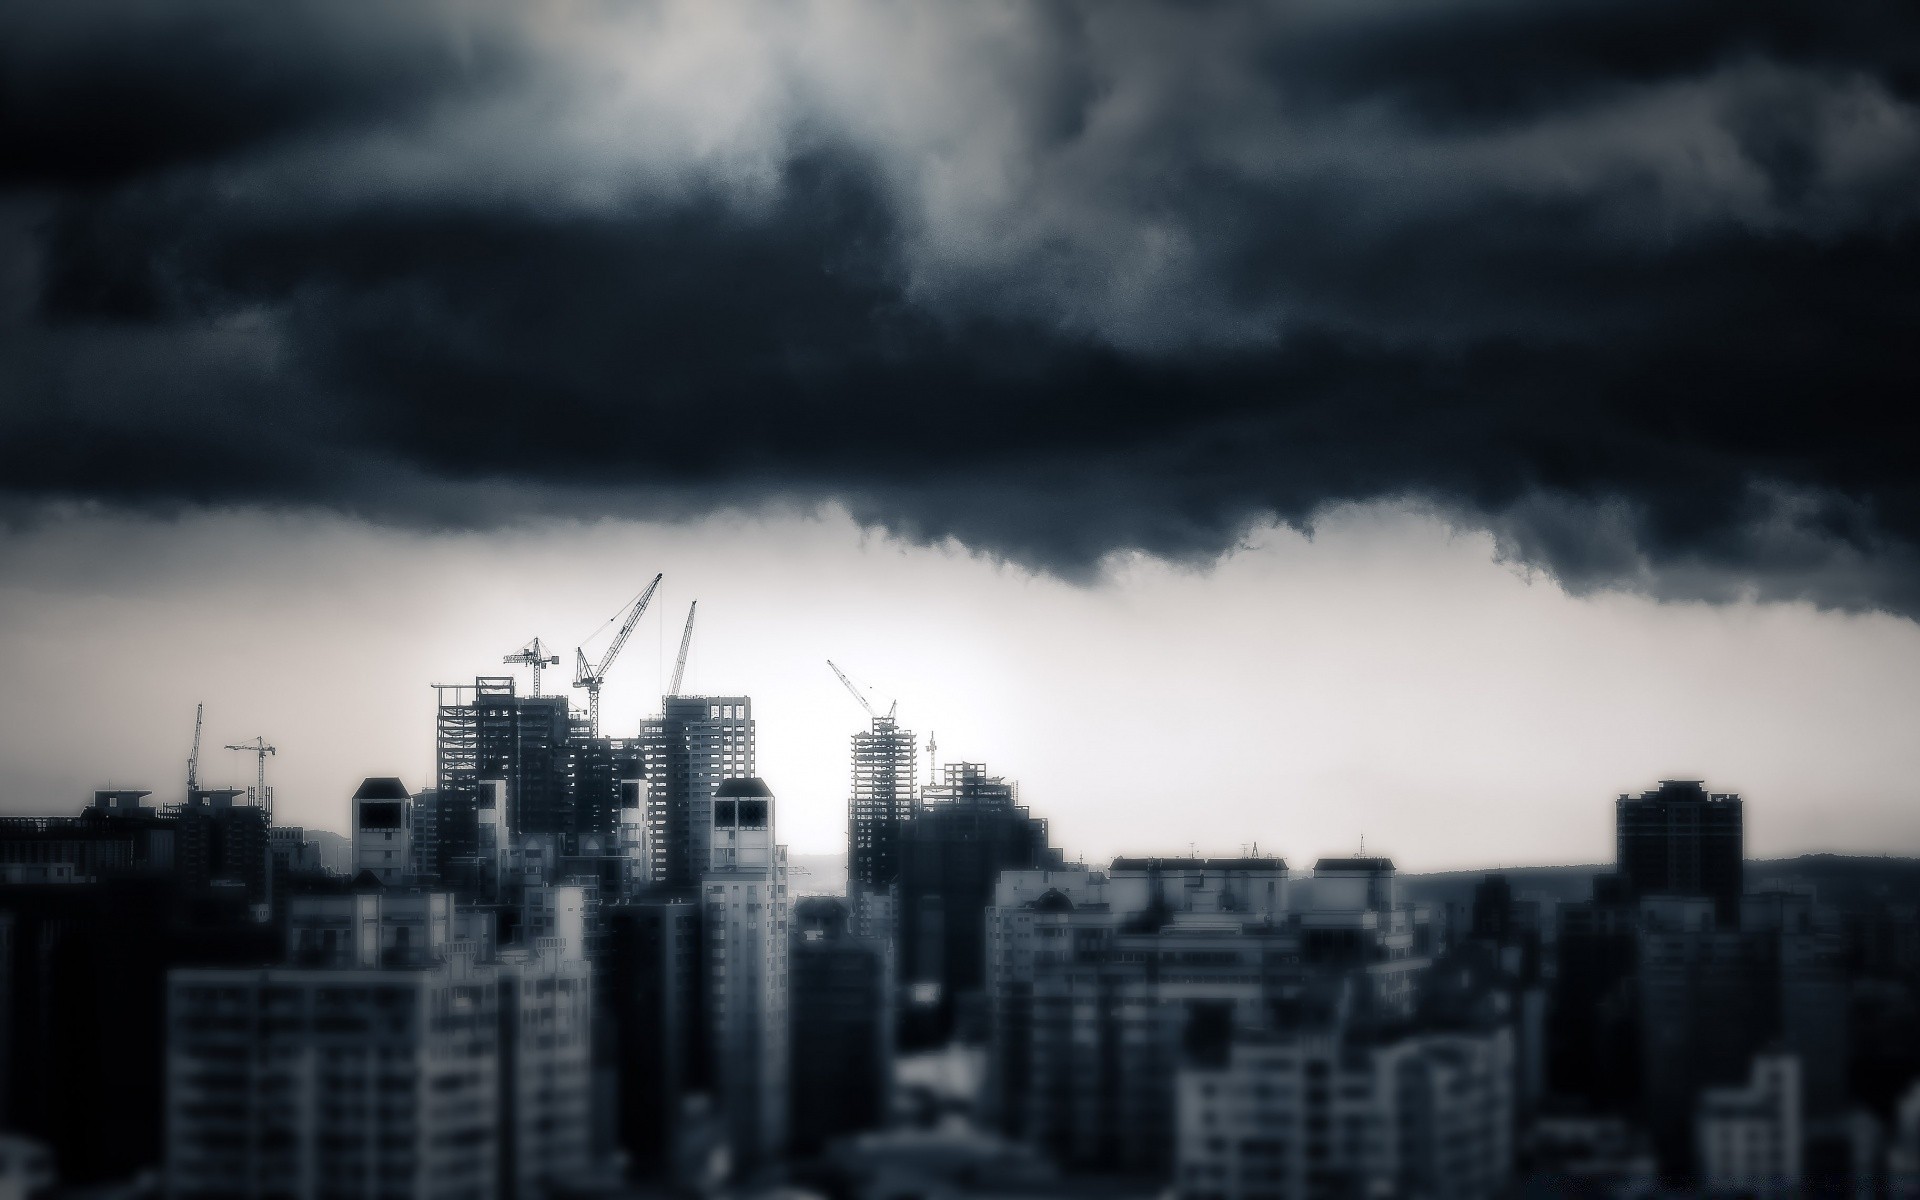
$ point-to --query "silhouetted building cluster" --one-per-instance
(575, 965)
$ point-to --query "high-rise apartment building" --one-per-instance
(964, 833)
(1294, 1116)
(842, 1002)
(1104, 983)
(395, 1057)
(652, 1041)
(880, 805)
(1748, 1138)
(1682, 840)
(746, 917)
(695, 744)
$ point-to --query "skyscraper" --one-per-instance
(745, 893)
(1681, 840)
(880, 806)
(688, 750)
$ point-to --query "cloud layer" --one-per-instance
(1629, 284)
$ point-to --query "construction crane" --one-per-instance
(861, 696)
(193, 760)
(686, 640)
(534, 655)
(591, 678)
(258, 746)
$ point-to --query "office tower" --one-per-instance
(1310, 1114)
(651, 1043)
(964, 833)
(383, 829)
(396, 1058)
(1748, 1137)
(746, 927)
(687, 751)
(498, 734)
(843, 995)
(879, 807)
(1681, 840)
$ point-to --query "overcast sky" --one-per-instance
(1004, 352)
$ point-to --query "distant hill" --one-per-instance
(817, 874)
(1841, 879)
(336, 852)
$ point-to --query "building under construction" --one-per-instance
(555, 778)
(881, 804)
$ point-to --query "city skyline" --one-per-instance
(1001, 666)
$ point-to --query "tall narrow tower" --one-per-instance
(882, 801)
(744, 890)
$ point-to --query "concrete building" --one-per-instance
(1748, 1137)
(219, 843)
(881, 804)
(964, 833)
(383, 830)
(842, 1002)
(746, 926)
(1903, 1149)
(651, 1041)
(116, 834)
(499, 734)
(695, 744)
(391, 1060)
(1313, 1115)
(1681, 840)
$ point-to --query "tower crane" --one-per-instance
(591, 677)
(686, 640)
(860, 696)
(193, 760)
(258, 747)
(534, 655)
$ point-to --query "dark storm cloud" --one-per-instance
(1628, 285)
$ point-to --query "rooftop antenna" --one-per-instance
(534, 655)
(933, 750)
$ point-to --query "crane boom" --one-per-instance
(686, 640)
(854, 691)
(626, 630)
(193, 760)
(592, 679)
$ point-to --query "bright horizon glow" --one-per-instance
(1386, 679)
